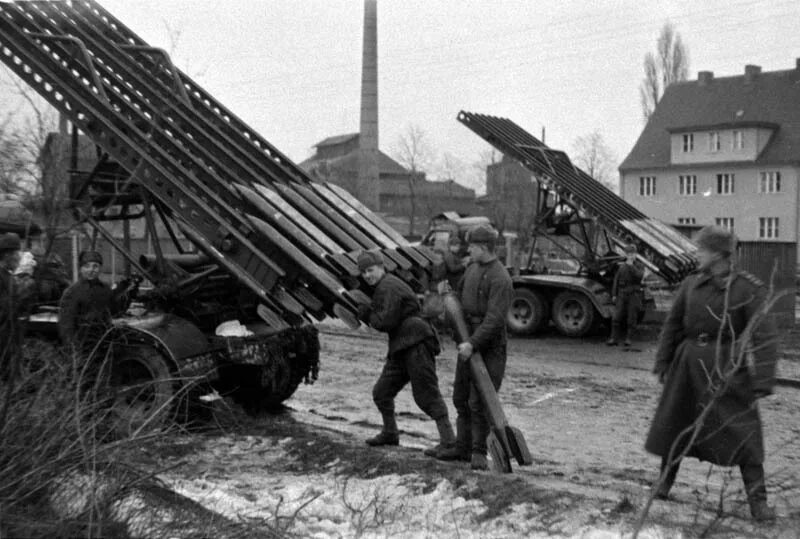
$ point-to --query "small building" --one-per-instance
(407, 199)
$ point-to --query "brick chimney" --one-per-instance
(368, 172)
(751, 72)
(704, 78)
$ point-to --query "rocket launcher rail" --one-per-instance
(662, 248)
(290, 240)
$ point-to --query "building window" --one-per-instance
(687, 185)
(688, 142)
(724, 222)
(738, 140)
(713, 141)
(647, 186)
(768, 227)
(724, 184)
(687, 221)
(770, 182)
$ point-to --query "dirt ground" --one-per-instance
(583, 407)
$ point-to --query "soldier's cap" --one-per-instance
(716, 239)
(482, 234)
(367, 259)
(630, 249)
(10, 242)
(90, 256)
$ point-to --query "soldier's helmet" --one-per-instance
(717, 239)
(10, 242)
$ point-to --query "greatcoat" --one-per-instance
(705, 362)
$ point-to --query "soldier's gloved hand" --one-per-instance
(363, 311)
(464, 351)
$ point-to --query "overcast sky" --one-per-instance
(292, 69)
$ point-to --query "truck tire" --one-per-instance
(264, 387)
(573, 314)
(140, 390)
(527, 313)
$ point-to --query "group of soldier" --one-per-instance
(85, 307)
(716, 356)
(716, 353)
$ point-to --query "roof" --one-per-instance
(337, 139)
(768, 99)
(426, 188)
(349, 163)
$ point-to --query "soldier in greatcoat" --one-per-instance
(10, 329)
(702, 360)
(413, 346)
(485, 293)
(626, 292)
(88, 305)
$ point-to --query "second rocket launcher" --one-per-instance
(504, 440)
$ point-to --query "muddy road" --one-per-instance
(584, 409)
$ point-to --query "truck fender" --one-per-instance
(182, 343)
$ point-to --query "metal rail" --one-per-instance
(241, 201)
(666, 251)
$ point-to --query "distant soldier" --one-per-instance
(626, 292)
(88, 305)
(485, 293)
(10, 329)
(411, 357)
(713, 372)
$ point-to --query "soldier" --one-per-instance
(485, 293)
(88, 305)
(411, 357)
(10, 330)
(702, 364)
(626, 292)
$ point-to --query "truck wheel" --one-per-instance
(139, 390)
(527, 313)
(573, 314)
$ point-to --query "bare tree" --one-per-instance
(669, 64)
(591, 154)
(33, 164)
(450, 167)
(415, 153)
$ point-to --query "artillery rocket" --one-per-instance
(504, 440)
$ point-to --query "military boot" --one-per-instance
(447, 438)
(753, 478)
(662, 493)
(389, 434)
(614, 338)
(479, 462)
(628, 336)
(463, 442)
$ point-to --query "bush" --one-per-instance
(51, 428)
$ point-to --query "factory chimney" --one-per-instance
(368, 184)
